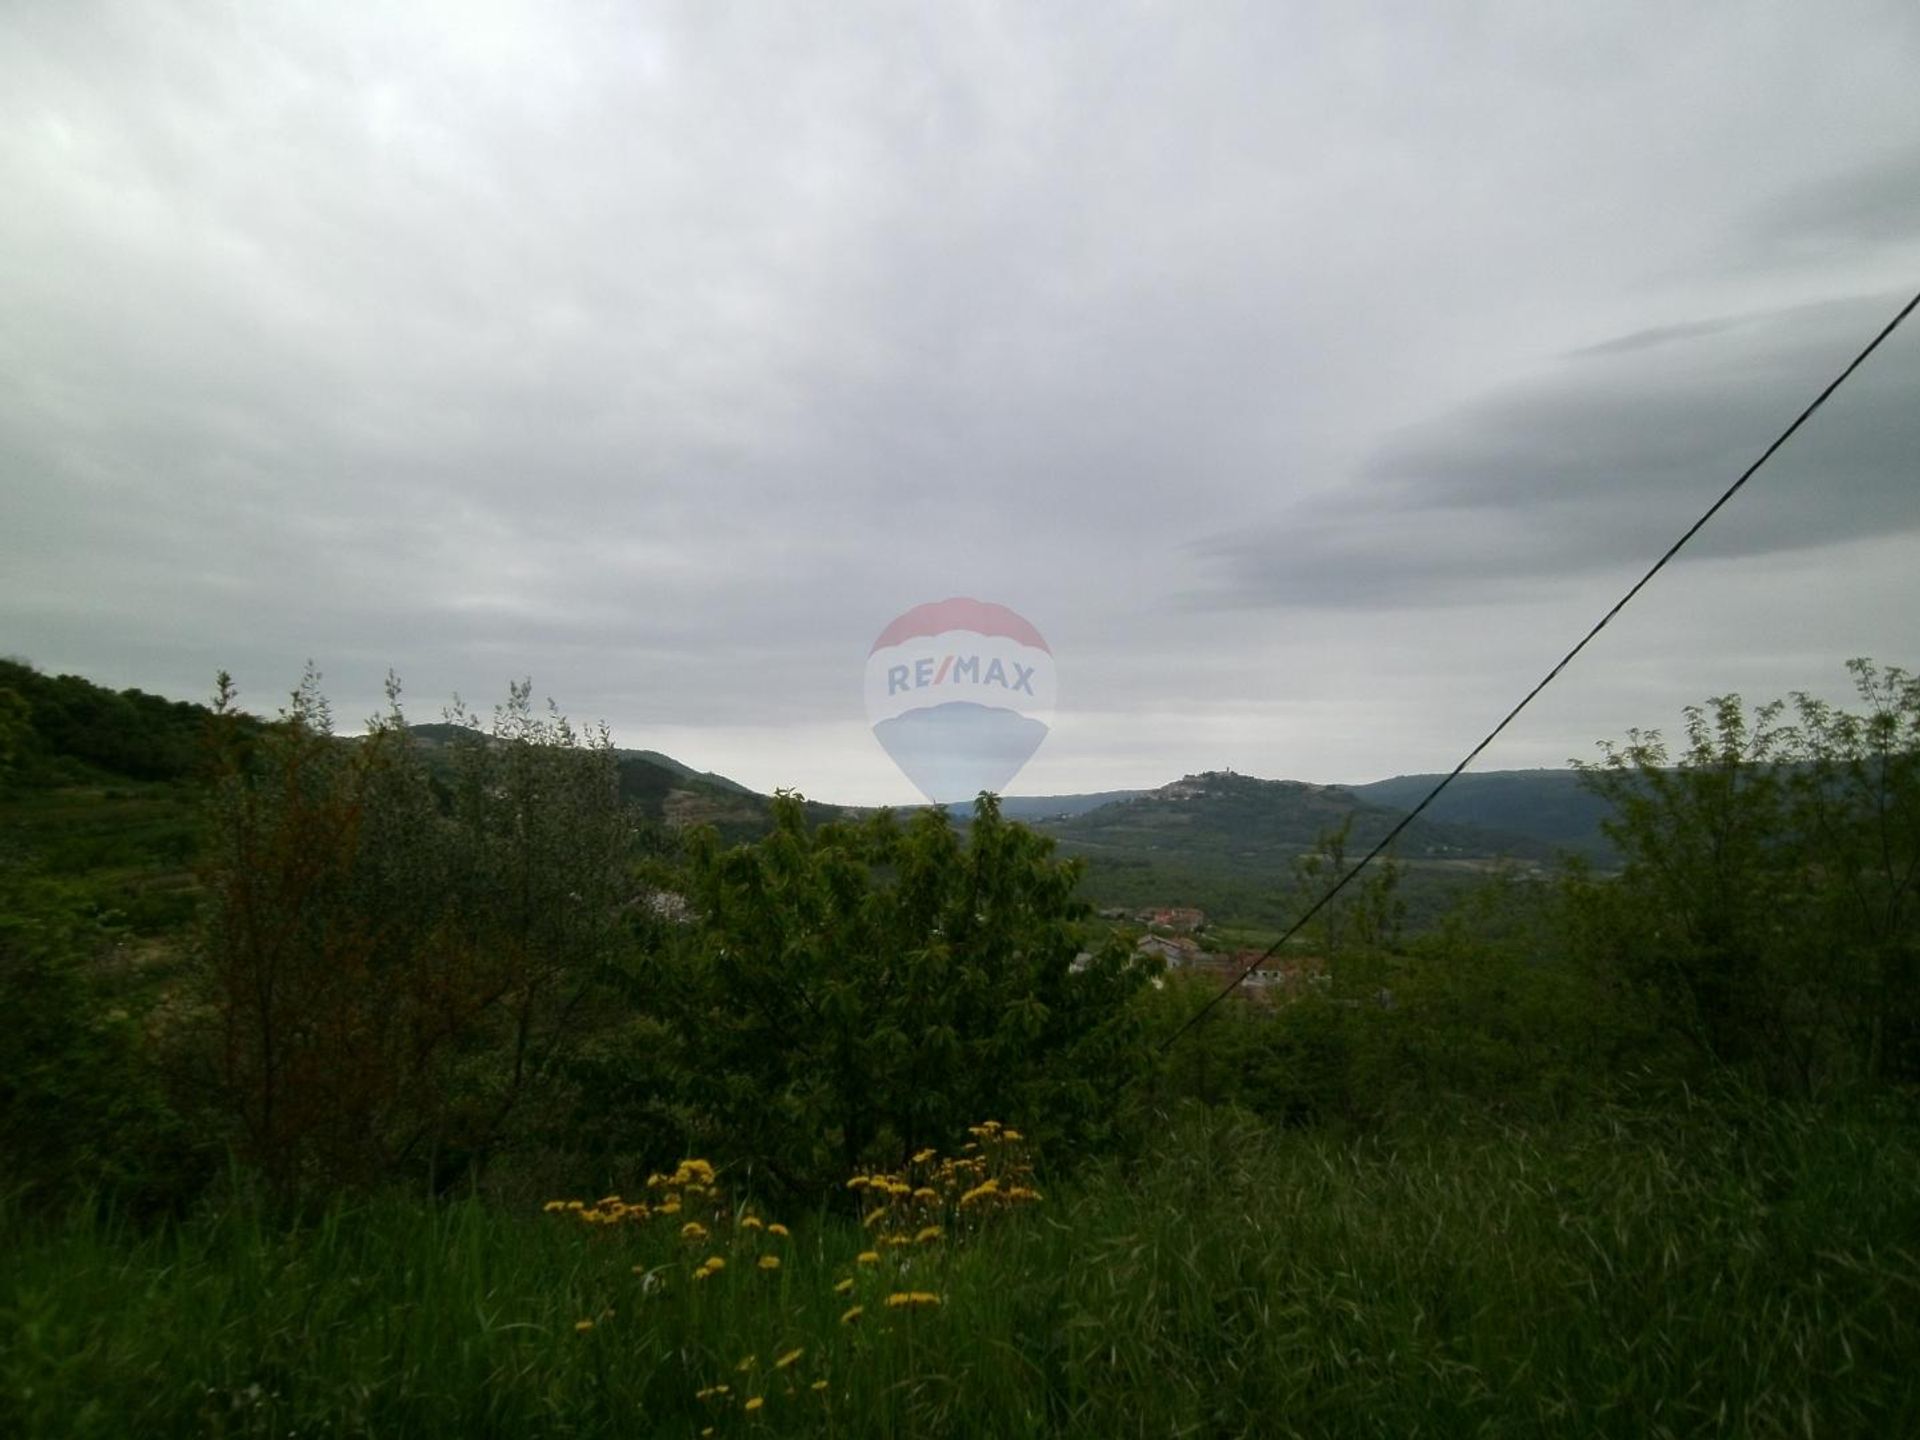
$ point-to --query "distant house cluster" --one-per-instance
(1261, 976)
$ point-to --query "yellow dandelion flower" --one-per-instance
(751, 1222)
(1011, 1135)
(926, 1192)
(911, 1299)
(853, 1313)
(711, 1391)
(715, 1262)
(867, 1257)
(858, 1182)
(693, 1230)
(818, 1385)
(778, 1229)
(582, 1326)
(928, 1234)
(925, 1155)
(845, 1287)
(553, 1205)
(754, 1403)
(769, 1262)
(671, 1207)
(787, 1359)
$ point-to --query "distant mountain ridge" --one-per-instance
(1245, 817)
(1550, 806)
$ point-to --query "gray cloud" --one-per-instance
(1601, 463)
(664, 352)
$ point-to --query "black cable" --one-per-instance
(1548, 678)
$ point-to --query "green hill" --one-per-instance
(1227, 844)
(1549, 806)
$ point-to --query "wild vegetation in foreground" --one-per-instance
(471, 1103)
(1736, 1268)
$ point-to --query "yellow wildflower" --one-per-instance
(926, 1192)
(582, 1326)
(778, 1229)
(924, 1156)
(693, 1230)
(867, 1257)
(553, 1205)
(787, 1359)
(927, 1234)
(754, 1404)
(911, 1299)
(715, 1262)
(711, 1391)
(819, 1385)
(1011, 1135)
(751, 1222)
(858, 1182)
(845, 1287)
(672, 1207)
(769, 1262)
(853, 1313)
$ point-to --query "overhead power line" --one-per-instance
(1551, 675)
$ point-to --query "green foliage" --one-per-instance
(1768, 898)
(1365, 915)
(81, 1108)
(1734, 1268)
(57, 728)
(852, 991)
(393, 984)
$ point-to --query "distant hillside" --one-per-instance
(1227, 844)
(1549, 806)
(686, 772)
(1047, 807)
(1244, 817)
(670, 792)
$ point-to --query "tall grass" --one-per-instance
(1732, 1270)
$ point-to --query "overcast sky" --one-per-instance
(1310, 375)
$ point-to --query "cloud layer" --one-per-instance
(666, 352)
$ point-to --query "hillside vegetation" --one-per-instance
(466, 1095)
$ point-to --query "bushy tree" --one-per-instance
(1767, 896)
(396, 964)
(855, 991)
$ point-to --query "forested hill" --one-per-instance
(1228, 844)
(1546, 805)
(669, 791)
(1242, 817)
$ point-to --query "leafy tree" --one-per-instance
(1768, 891)
(856, 991)
(1366, 916)
(395, 978)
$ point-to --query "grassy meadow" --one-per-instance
(1729, 1270)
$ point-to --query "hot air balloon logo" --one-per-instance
(960, 693)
